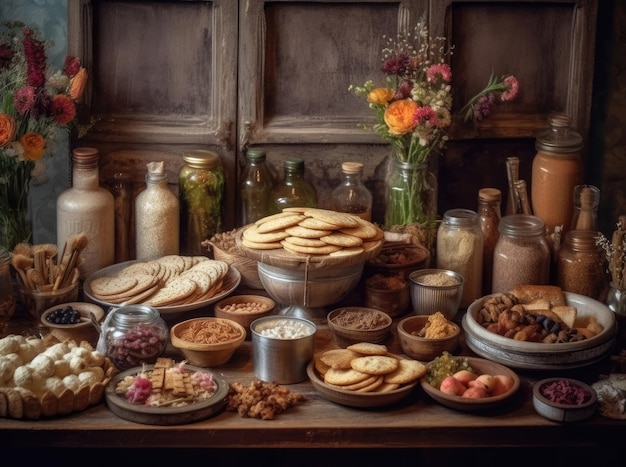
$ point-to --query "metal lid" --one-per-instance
(295, 164)
(460, 217)
(85, 157)
(256, 154)
(202, 159)
(581, 240)
(521, 225)
(559, 138)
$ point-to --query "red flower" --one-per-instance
(439, 71)
(71, 66)
(63, 109)
(24, 99)
(35, 54)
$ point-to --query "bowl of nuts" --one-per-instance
(244, 309)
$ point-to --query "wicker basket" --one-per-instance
(247, 267)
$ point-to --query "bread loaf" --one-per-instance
(526, 294)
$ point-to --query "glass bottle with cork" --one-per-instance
(157, 215)
(293, 190)
(89, 209)
(586, 201)
(201, 189)
(256, 187)
(351, 195)
(489, 215)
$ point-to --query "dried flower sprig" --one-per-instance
(615, 253)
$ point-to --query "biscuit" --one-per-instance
(252, 233)
(173, 291)
(309, 250)
(320, 366)
(304, 232)
(312, 223)
(342, 240)
(368, 348)
(373, 386)
(364, 230)
(260, 246)
(407, 372)
(338, 358)
(386, 387)
(375, 364)
(279, 223)
(344, 377)
(340, 219)
(356, 386)
(105, 286)
(305, 241)
(349, 251)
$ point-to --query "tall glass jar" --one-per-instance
(460, 249)
(293, 190)
(133, 335)
(522, 254)
(489, 215)
(256, 187)
(556, 169)
(351, 195)
(581, 267)
(156, 216)
(7, 298)
(411, 195)
(201, 189)
(87, 208)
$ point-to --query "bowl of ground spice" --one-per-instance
(435, 290)
(426, 337)
(351, 325)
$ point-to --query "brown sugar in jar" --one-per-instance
(580, 267)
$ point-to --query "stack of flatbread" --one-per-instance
(171, 280)
(312, 231)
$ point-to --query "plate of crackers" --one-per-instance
(364, 375)
(317, 237)
(166, 393)
(172, 284)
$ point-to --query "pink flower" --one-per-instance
(426, 115)
(439, 71)
(512, 88)
(24, 99)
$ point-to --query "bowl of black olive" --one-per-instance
(73, 320)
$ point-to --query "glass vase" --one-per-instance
(411, 195)
(15, 179)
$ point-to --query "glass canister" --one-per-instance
(256, 187)
(156, 216)
(133, 335)
(293, 190)
(201, 189)
(352, 196)
(581, 266)
(460, 249)
(556, 170)
(586, 202)
(522, 254)
(7, 297)
(489, 215)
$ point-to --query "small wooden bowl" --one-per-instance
(264, 306)
(345, 336)
(206, 355)
(83, 331)
(421, 348)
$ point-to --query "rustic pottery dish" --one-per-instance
(480, 366)
(83, 331)
(345, 336)
(234, 308)
(540, 356)
(562, 412)
(398, 259)
(166, 415)
(387, 293)
(421, 348)
(428, 299)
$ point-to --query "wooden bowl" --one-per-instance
(387, 293)
(235, 309)
(421, 348)
(83, 331)
(359, 332)
(207, 355)
(564, 412)
(399, 259)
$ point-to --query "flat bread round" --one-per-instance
(305, 241)
(368, 348)
(309, 250)
(375, 364)
(280, 223)
(252, 233)
(344, 377)
(304, 232)
(342, 240)
(260, 246)
(407, 372)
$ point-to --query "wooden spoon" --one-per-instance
(21, 263)
(35, 277)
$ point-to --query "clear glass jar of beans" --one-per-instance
(133, 335)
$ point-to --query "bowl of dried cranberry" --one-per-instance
(564, 399)
(73, 321)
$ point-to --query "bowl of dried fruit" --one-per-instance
(399, 258)
(244, 309)
(207, 342)
(426, 337)
(73, 320)
(353, 324)
(564, 399)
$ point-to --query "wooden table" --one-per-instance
(417, 422)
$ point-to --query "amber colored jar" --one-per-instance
(489, 215)
(556, 170)
(580, 267)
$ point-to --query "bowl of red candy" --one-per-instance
(564, 399)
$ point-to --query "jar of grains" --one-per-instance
(460, 249)
(580, 266)
(489, 214)
(522, 254)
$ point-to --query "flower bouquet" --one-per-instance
(413, 112)
(35, 103)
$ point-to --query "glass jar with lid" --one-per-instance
(352, 196)
(489, 214)
(293, 190)
(581, 266)
(201, 190)
(522, 253)
(256, 187)
(133, 335)
(586, 202)
(7, 297)
(460, 249)
(556, 170)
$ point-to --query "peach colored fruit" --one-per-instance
(464, 376)
(475, 393)
(451, 385)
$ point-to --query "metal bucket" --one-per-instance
(282, 347)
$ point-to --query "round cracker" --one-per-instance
(309, 250)
(351, 251)
(305, 241)
(375, 364)
(105, 286)
(313, 223)
(364, 230)
(340, 219)
(175, 290)
(252, 233)
(280, 223)
(342, 240)
(368, 348)
(338, 358)
(359, 385)
(373, 386)
(407, 372)
(260, 246)
(344, 377)
(304, 232)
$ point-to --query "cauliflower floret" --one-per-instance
(57, 351)
(43, 364)
(62, 368)
(26, 377)
(8, 364)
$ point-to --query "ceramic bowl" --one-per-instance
(83, 331)
(387, 293)
(203, 354)
(578, 400)
(358, 329)
(421, 348)
(429, 298)
(244, 309)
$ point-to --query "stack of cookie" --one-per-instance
(312, 231)
(167, 281)
(366, 367)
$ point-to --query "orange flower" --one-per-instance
(400, 116)
(7, 129)
(380, 96)
(34, 146)
(77, 85)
